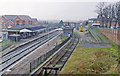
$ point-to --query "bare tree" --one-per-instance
(110, 14)
(117, 13)
(105, 14)
(99, 11)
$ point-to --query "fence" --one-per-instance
(35, 63)
(112, 34)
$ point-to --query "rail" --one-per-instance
(34, 64)
(59, 58)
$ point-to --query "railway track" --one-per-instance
(26, 44)
(12, 58)
(59, 60)
(101, 39)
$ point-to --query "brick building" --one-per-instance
(9, 21)
(68, 30)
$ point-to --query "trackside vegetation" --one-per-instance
(103, 60)
(92, 61)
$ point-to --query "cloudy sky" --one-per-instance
(51, 9)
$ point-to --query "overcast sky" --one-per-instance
(51, 9)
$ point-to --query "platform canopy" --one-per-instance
(25, 30)
(59, 29)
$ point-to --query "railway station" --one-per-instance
(40, 38)
(25, 32)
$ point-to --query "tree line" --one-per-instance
(108, 12)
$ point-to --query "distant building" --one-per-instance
(113, 23)
(72, 24)
(94, 22)
(61, 24)
(34, 21)
(24, 32)
(68, 30)
(4, 34)
(9, 21)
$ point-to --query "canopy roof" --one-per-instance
(35, 28)
(25, 30)
(14, 35)
(59, 29)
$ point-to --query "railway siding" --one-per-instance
(52, 57)
(61, 56)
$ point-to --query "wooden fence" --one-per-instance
(112, 34)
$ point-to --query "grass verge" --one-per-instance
(92, 61)
(64, 38)
(96, 38)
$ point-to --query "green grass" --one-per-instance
(92, 61)
(102, 35)
(114, 49)
(64, 38)
(98, 40)
(4, 43)
(77, 35)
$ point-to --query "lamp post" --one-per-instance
(48, 35)
(16, 36)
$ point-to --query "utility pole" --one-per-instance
(48, 35)
(48, 31)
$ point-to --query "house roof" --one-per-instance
(12, 17)
(95, 19)
(28, 27)
(10, 21)
(19, 27)
(24, 17)
(61, 22)
(34, 19)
